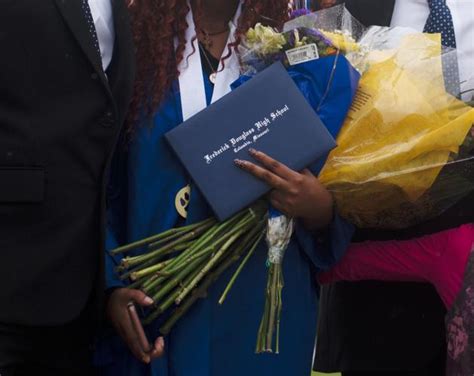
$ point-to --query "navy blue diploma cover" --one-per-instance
(267, 113)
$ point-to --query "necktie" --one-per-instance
(91, 27)
(440, 21)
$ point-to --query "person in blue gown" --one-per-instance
(213, 339)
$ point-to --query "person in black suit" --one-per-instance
(380, 328)
(66, 77)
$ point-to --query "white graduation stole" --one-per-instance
(191, 84)
(191, 79)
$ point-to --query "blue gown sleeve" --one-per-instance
(326, 247)
(115, 217)
(111, 262)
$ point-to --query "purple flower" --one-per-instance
(316, 35)
(457, 337)
(299, 12)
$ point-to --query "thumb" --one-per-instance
(159, 348)
(140, 298)
(308, 173)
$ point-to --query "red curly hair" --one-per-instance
(156, 23)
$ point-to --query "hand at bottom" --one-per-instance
(124, 317)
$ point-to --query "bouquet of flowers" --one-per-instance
(405, 152)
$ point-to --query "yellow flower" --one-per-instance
(264, 39)
(342, 41)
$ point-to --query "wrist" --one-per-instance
(321, 216)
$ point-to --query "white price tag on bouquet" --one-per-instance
(302, 54)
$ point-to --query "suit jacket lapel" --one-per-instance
(123, 33)
(72, 12)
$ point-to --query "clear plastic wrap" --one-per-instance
(333, 31)
(405, 152)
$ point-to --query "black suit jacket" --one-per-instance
(384, 326)
(60, 117)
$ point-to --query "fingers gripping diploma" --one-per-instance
(123, 314)
(297, 195)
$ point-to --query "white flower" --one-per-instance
(264, 40)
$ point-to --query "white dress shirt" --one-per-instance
(414, 14)
(104, 25)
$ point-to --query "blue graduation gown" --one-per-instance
(211, 340)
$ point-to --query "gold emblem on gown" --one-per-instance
(182, 201)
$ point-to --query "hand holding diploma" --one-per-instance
(297, 195)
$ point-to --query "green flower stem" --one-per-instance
(273, 307)
(152, 283)
(233, 221)
(140, 243)
(183, 230)
(208, 267)
(179, 247)
(176, 280)
(144, 265)
(221, 228)
(178, 260)
(156, 245)
(192, 257)
(231, 259)
(152, 262)
(263, 329)
(172, 297)
(248, 241)
(280, 306)
(213, 243)
(155, 238)
(270, 324)
(239, 228)
(183, 259)
(209, 234)
(170, 300)
(255, 242)
(197, 245)
(133, 261)
(205, 251)
(199, 292)
(147, 271)
(136, 284)
(215, 232)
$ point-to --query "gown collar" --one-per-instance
(191, 79)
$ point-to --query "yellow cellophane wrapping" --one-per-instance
(401, 130)
(341, 41)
